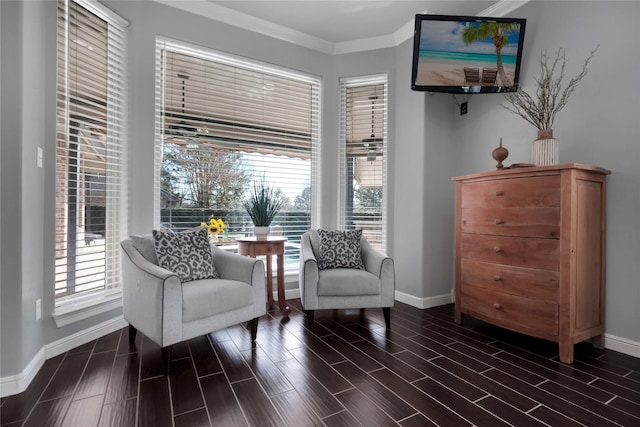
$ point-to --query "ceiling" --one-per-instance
(333, 26)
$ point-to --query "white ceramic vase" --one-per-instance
(545, 150)
(261, 233)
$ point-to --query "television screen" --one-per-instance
(465, 54)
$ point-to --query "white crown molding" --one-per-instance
(361, 45)
(392, 40)
(251, 23)
(503, 8)
(497, 10)
(405, 32)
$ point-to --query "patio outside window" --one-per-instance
(90, 163)
(224, 123)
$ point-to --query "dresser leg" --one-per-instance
(458, 317)
(598, 341)
(566, 352)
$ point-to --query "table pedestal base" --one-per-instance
(250, 246)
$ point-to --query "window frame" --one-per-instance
(74, 307)
(225, 58)
(345, 189)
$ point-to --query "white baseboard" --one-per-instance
(611, 342)
(399, 296)
(623, 345)
(82, 337)
(289, 294)
(14, 384)
(426, 302)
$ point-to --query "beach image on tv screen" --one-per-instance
(466, 53)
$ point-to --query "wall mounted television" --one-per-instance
(466, 54)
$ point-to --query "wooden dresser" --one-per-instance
(530, 251)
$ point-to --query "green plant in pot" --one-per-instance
(262, 205)
(551, 96)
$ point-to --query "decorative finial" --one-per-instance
(499, 154)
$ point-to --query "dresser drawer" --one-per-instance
(542, 191)
(528, 221)
(525, 282)
(522, 314)
(518, 251)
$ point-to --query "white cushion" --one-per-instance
(347, 282)
(204, 298)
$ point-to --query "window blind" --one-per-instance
(363, 147)
(91, 111)
(224, 123)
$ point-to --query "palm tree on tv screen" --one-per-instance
(498, 33)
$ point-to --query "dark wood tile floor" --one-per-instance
(349, 371)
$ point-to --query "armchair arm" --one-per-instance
(237, 267)
(372, 259)
(383, 267)
(308, 274)
(152, 296)
(142, 263)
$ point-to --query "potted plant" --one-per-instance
(541, 108)
(262, 205)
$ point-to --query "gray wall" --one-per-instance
(599, 126)
(10, 219)
(429, 142)
(24, 116)
(422, 193)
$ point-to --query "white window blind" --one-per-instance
(90, 149)
(224, 123)
(363, 147)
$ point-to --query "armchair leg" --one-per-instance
(253, 323)
(309, 314)
(132, 334)
(166, 358)
(387, 316)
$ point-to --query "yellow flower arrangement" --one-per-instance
(214, 227)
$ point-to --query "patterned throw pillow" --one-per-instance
(186, 254)
(340, 249)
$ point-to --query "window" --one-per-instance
(363, 147)
(225, 123)
(90, 153)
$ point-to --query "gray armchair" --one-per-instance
(156, 303)
(341, 288)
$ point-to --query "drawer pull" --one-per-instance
(499, 193)
(497, 306)
(497, 249)
(497, 278)
(498, 221)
